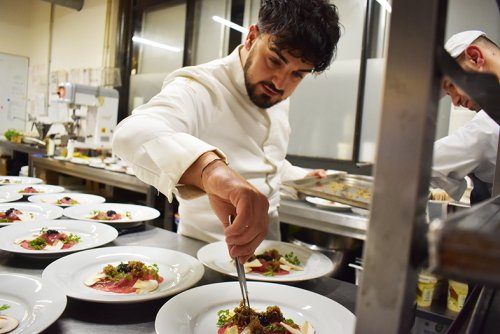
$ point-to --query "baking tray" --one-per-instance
(354, 190)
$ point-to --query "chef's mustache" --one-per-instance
(270, 85)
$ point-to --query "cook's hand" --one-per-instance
(321, 173)
(230, 194)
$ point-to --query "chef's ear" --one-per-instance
(253, 34)
(474, 55)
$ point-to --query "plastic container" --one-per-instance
(425, 289)
(457, 292)
(70, 149)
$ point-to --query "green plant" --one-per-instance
(11, 133)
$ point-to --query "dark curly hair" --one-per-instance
(308, 29)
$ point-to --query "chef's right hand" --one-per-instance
(230, 194)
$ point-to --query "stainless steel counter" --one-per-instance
(300, 213)
(88, 317)
(111, 178)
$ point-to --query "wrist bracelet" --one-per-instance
(210, 163)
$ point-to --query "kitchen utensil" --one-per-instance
(241, 276)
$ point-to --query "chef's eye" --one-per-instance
(297, 75)
(274, 61)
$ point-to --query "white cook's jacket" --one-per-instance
(471, 149)
(200, 109)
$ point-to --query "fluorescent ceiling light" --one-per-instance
(230, 24)
(155, 44)
(386, 5)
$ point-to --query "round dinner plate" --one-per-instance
(179, 270)
(38, 211)
(215, 256)
(137, 213)
(195, 311)
(79, 197)
(34, 302)
(13, 180)
(91, 235)
(40, 188)
(325, 204)
(7, 196)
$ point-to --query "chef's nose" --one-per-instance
(279, 80)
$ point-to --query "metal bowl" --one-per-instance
(338, 248)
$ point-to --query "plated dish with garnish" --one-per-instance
(67, 199)
(198, 310)
(18, 212)
(34, 303)
(116, 214)
(10, 180)
(74, 273)
(28, 190)
(298, 263)
(55, 238)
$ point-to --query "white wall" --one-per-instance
(78, 36)
(77, 42)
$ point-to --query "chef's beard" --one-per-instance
(260, 100)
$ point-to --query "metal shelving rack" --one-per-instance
(396, 245)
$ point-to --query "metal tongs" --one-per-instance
(241, 276)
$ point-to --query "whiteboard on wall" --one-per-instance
(13, 91)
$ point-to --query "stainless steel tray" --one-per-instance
(355, 190)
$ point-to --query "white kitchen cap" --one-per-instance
(457, 43)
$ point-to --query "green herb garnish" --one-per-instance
(72, 237)
(292, 258)
(275, 328)
(38, 243)
(4, 307)
(269, 272)
(224, 317)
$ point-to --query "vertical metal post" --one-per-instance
(496, 181)
(386, 296)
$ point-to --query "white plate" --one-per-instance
(97, 164)
(115, 168)
(35, 303)
(195, 311)
(41, 188)
(40, 211)
(80, 161)
(19, 180)
(139, 213)
(79, 197)
(215, 256)
(180, 271)
(322, 203)
(91, 235)
(7, 196)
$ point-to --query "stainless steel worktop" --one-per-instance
(298, 213)
(302, 214)
(89, 317)
(115, 179)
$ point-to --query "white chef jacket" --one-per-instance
(471, 149)
(200, 109)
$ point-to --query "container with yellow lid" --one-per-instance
(425, 289)
(457, 292)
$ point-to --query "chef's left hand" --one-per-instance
(321, 173)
